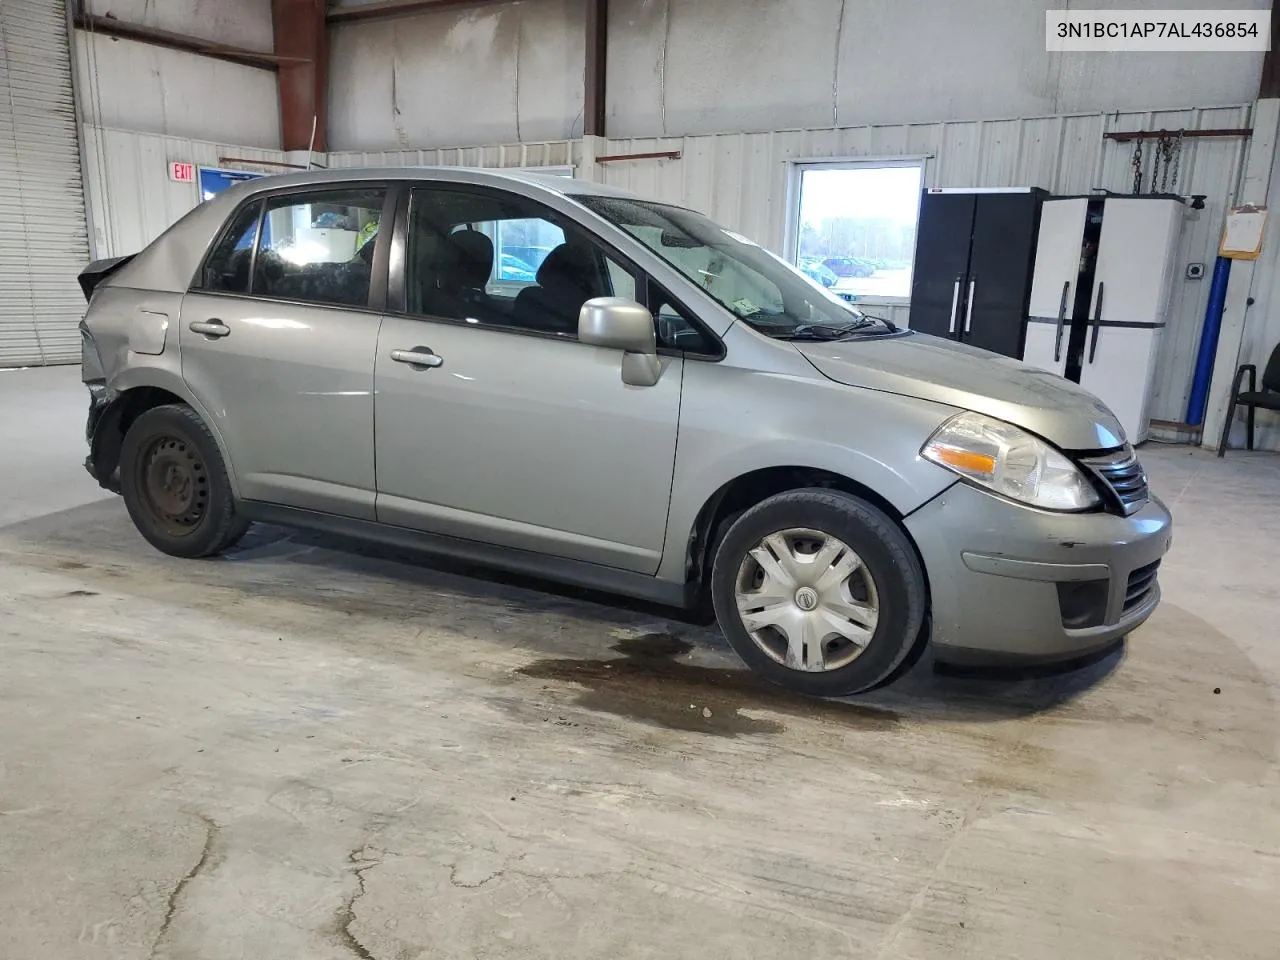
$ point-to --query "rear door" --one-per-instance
(278, 338)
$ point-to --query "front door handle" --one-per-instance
(213, 328)
(418, 357)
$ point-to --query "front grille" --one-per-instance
(1123, 481)
(1141, 582)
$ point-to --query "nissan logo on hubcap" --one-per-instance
(807, 598)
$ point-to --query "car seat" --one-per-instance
(567, 279)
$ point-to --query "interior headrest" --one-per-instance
(568, 264)
(472, 258)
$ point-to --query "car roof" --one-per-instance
(565, 186)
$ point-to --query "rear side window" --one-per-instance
(227, 269)
(318, 247)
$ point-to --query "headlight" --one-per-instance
(1009, 461)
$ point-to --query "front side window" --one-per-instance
(675, 330)
(520, 246)
(503, 260)
(317, 247)
(753, 284)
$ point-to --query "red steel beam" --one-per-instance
(1126, 135)
(302, 43)
(111, 27)
(597, 46)
(1269, 82)
(394, 8)
(656, 155)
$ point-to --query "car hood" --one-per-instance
(931, 368)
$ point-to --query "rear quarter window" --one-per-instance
(226, 270)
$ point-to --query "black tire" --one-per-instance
(175, 484)
(885, 552)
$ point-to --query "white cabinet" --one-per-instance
(1053, 285)
(1099, 318)
(1121, 374)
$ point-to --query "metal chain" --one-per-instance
(1177, 156)
(1136, 162)
(1167, 152)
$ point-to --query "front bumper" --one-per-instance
(999, 572)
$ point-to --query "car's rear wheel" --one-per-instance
(175, 484)
(819, 591)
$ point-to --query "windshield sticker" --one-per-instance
(744, 307)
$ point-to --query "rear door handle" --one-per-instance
(418, 357)
(213, 328)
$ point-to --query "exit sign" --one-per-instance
(182, 172)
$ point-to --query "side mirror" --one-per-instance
(624, 325)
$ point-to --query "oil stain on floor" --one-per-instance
(650, 684)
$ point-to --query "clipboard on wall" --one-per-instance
(1242, 234)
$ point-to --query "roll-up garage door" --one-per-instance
(43, 239)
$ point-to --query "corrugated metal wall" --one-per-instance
(741, 180)
(552, 153)
(131, 198)
(1262, 321)
(42, 235)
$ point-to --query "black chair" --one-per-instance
(1268, 398)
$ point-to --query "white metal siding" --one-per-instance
(131, 197)
(42, 227)
(553, 153)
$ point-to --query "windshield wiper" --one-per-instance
(835, 331)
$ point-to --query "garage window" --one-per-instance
(854, 226)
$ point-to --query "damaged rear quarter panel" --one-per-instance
(136, 334)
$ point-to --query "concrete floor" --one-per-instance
(301, 752)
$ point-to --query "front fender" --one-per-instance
(865, 436)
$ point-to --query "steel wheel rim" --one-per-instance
(807, 600)
(174, 484)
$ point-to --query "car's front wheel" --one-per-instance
(175, 484)
(819, 591)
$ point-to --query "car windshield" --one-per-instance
(757, 286)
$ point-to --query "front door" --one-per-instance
(278, 338)
(493, 422)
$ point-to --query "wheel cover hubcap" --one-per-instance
(807, 600)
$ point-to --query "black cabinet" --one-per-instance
(975, 252)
